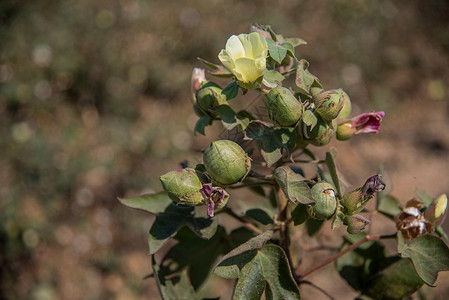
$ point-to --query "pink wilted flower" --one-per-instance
(215, 198)
(364, 123)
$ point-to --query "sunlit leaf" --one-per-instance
(167, 223)
(258, 268)
(395, 282)
(304, 79)
(388, 206)
(227, 270)
(429, 255)
(293, 185)
(272, 141)
(272, 78)
(175, 288)
(198, 254)
(330, 161)
(276, 52)
(152, 203)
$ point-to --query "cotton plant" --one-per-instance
(299, 115)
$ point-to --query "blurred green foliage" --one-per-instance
(94, 104)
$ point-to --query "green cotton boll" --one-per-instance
(321, 134)
(345, 112)
(329, 104)
(325, 202)
(209, 96)
(226, 162)
(283, 108)
(183, 186)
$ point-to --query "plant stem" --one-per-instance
(318, 288)
(249, 184)
(284, 233)
(246, 223)
(367, 238)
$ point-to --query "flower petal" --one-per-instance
(235, 48)
(248, 69)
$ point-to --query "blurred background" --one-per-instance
(95, 105)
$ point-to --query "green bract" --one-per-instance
(325, 202)
(226, 162)
(283, 108)
(183, 186)
(245, 56)
(209, 96)
(321, 134)
(329, 104)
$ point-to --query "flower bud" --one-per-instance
(325, 202)
(347, 107)
(198, 77)
(226, 162)
(436, 212)
(283, 108)
(364, 123)
(209, 96)
(356, 223)
(183, 186)
(329, 104)
(321, 134)
(355, 201)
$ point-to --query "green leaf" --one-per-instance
(304, 79)
(397, 281)
(295, 42)
(152, 203)
(260, 215)
(330, 161)
(175, 288)
(272, 78)
(313, 226)
(231, 90)
(300, 214)
(201, 125)
(230, 119)
(293, 185)
(426, 199)
(259, 267)
(200, 254)
(276, 52)
(357, 266)
(226, 270)
(429, 255)
(309, 119)
(271, 141)
(168, 223)
(388, 206)
(209, 64)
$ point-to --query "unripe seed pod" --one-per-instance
(208, 96)
(283, 108)
(345, 112)
(183, 186)
(321, 134)
(325, 202)
(226, 162)
(329, 104)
